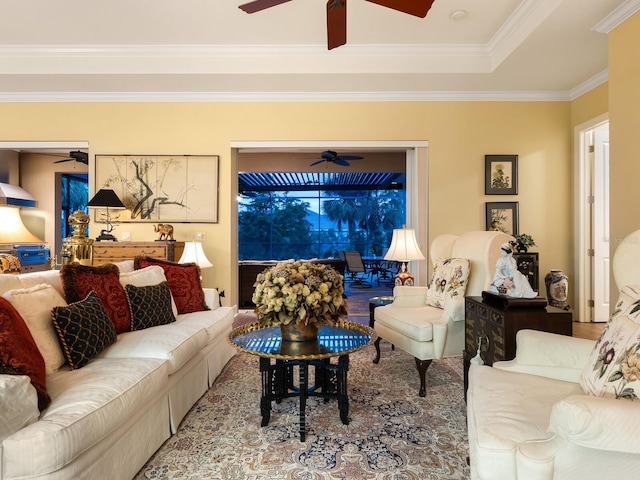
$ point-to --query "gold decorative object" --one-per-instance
(164, 230)
(77, 247)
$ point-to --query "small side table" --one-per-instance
(377, 302)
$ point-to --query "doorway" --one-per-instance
(592, 270)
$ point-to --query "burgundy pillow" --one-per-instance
(19, 354)
(184, 283)
(78, 280)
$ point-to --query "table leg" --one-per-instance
(303, 369)
(343, 398)
(267, 388)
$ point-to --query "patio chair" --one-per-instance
(356, 270)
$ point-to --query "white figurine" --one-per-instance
(508, 280)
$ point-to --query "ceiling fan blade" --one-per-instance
(258, 5)
(341, 161)
(62, 161)
(317, 162)
(350, 157)
(336, 23)
(419, 8)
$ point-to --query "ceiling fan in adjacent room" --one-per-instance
(77, 156)
(337, 14)
(333, 157)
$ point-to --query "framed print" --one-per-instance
(502, 216)
(501, 174)
(169, 188)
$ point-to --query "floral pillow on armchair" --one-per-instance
(449, 280)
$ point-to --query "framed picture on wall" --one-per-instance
(502, 216)
(170, 188)
(501, 174)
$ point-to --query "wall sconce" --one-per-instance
(404, 248)
(108, 199)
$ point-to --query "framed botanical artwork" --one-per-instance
(168, 188)
(502, 216)
(501, 174)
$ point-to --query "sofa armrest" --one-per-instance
(18, 404)
(409, 296)
(454, 309)
(597, 422)
(549, 355)
(211, 298)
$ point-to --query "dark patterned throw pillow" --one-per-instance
(84, 329)
(150, 306)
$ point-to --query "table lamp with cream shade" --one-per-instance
(404, 248)
(194, 253)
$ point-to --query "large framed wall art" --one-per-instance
(501, 174)
(168, 188)
(502, 216)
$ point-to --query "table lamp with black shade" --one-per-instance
(404, 248)
(106, 198)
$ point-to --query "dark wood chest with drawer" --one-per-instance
(496, 325)
(110, 252)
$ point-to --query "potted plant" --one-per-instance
(524, 242)
(300, 297)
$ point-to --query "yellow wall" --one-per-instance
(459, 135)
(624, 116)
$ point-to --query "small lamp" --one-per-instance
(193, 253)
(404, 248)
(108, 199)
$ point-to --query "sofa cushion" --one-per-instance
(449, 280)
(177, 342)
(18, 404)
(150, 306)
(184, 283)
(87, 405)
(151, 275)
(19, 354)
(505, 409)
(79, 280)
(35, 305)
(84, 329)
(613, 369)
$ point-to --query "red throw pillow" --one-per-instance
(184, 283)
(78, 280)
(19, 354)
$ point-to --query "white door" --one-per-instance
(600, 240)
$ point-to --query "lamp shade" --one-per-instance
(404, 246)
(193, 253)
(106, 198)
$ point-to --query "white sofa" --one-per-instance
(554, 411)
(436, 330)
(107, 418)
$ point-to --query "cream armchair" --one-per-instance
(428, 332)
(530, 418)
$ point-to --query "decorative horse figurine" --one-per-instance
(165, 230)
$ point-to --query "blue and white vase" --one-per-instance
(557, 284)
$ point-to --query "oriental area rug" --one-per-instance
(393, 433)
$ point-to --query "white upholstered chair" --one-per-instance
(428, 332)
(530, 418)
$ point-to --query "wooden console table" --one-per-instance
(109, 252)
(497, 324)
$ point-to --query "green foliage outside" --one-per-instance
(274, 225)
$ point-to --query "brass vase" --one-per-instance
(296, 332)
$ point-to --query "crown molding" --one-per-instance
(618, 16)
(589, 84)
(222, 97)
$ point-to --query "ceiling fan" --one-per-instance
(337, 14)
(77, 156)
(331, 156)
